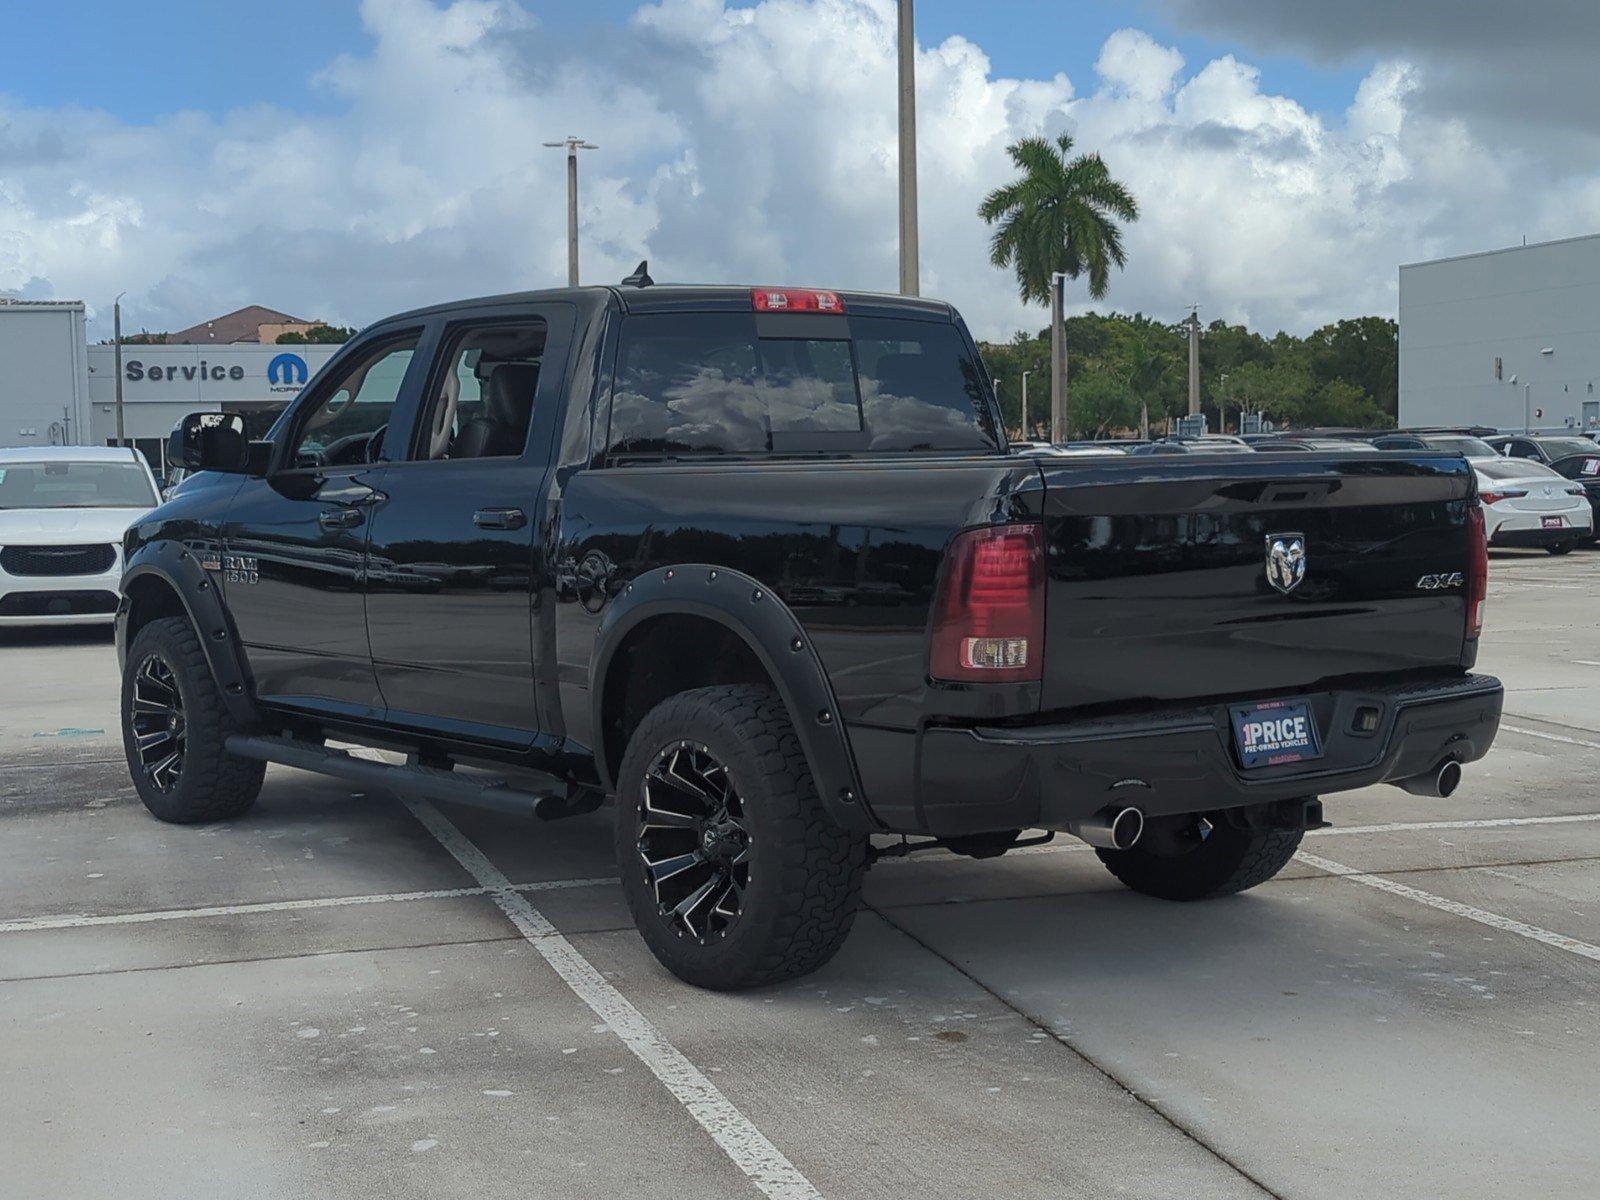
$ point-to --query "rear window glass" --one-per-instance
(1513, 468)
(1566, 447)
(708, 384)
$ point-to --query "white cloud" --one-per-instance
(751, 144)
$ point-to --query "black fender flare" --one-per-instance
(749, 609)
(181, 568)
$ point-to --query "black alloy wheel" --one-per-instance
(733, 870)
(175, 730)
(160, 732)
(695, 843)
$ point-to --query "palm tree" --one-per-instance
(1060, 216)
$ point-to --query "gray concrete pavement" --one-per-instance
(319, 1000)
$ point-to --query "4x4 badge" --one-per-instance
(1286, 560)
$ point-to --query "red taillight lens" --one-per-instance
(1496, 497)
(795, 300)
(1477, 570)
(988, 618)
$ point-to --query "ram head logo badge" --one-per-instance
(1286, 560)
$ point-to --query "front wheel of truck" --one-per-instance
(1215, 859)
(734, 873)
(174, 726)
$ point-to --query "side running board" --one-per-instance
(412, 778)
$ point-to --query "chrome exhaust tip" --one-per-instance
(1110, 828)
(1440, 783)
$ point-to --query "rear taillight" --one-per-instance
(1496, 497)
(988, 618)
(795, 300)
(1477, 570)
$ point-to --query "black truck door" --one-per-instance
(453, 542)
(294, 543)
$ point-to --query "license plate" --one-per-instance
(1279, 731)
(1555, 522)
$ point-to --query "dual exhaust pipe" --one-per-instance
(1440, 782)
(1114, 828)
(1111, 828)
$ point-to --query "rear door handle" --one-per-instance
(499, 518)
(340, 518)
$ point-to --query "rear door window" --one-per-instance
(718, 384)
(922, 388)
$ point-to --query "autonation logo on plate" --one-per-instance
(1280, 731)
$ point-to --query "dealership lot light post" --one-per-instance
(116, 340)
(573, 145)
(909, 283)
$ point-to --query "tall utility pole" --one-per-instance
(1058, 357)
(1026, 435)
(116, 339)
(573, 145)
(1193, 326)
(909, 284)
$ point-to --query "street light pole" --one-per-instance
(116, 339)
(909, 283)
(573, 145)
(1025, 435)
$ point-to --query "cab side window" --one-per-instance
(482, 393)
(348, 424)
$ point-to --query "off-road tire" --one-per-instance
(805, 872)
(1229, 860)
(212, 785)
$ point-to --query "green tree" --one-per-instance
(1100, 402)
(1145, 354)
(317, 335)
(1061, 215)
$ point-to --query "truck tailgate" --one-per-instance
(1159, 587)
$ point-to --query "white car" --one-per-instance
(1527, 504)
(63, 511)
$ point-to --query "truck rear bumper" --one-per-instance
(980, 778)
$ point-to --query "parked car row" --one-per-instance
(1538, 490)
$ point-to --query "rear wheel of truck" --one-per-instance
(174, 727)
(1563, 548)
(734, 873)
(1188, 866)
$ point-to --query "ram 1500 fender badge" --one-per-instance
(240, 568)
(1450, 579)
(1286, 560)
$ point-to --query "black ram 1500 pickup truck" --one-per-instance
(758, 563)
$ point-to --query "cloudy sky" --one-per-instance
(344, 160)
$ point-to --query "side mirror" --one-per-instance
(210, 441)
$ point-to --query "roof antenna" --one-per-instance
(640, 276)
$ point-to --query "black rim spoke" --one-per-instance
(671, 868)
(156, 722)
(694, 843)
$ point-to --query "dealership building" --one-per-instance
(55, 389)
(1508, 339)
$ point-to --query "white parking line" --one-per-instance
(1076, 847)
(1493, 920)
(740, 1140)
(1480, 823)
(1550, 737)
(83, 920)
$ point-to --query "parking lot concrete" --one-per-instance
(346, 995)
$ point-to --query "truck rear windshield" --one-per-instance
(711, 384)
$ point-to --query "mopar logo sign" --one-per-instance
(286, 372)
